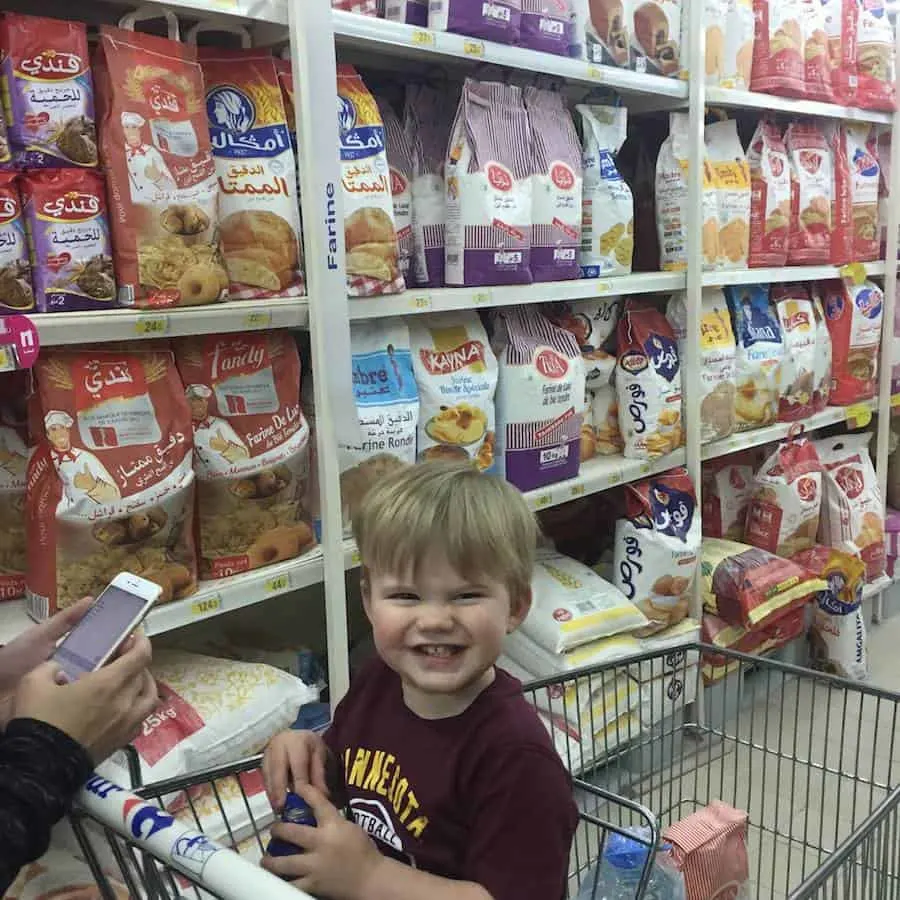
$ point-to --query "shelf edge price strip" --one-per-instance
(207, 606)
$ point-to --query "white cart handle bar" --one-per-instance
(186, 850)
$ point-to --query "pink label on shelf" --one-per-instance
(19, 343)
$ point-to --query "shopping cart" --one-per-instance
(810, 758)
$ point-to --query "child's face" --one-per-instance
(440, 632)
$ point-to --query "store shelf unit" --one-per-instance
(725, 277)
(732, 99)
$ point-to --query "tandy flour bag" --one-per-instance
(540, 395)
(110, 483)
(456, 375)
(16, 292)
(251, 449)
(557, 187)
(489, 188)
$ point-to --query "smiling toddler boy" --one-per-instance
(453, 783)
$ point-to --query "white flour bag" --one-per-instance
(607, 231)
(387, 408)
(456, 374)
(557, 187)
(489, 188)
(539, 395)
(731, 177)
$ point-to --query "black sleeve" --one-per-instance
(41, 769)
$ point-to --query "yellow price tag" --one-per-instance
(594, 73)
(479, 298)
(577, 490)
(895, 400)
(8, 361)
(543, 500)
(278, 585)
(151, 326)
(422, 38)
(420, 303)
(258, 319)
(355, 558)
(855, 272)
(206, 607)
(615, 478)
(473, 48)
(603, 287)
(859, 415)
(645, 468)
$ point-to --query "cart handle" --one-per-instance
(186, 850)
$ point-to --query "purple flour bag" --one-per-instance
(410, 12)
(491, 20)
(427, 118)
(399, 158)
(489, 188)
(556, 201)
(548, 25)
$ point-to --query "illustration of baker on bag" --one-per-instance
(148, 173)
(82, 474)
(212, 435)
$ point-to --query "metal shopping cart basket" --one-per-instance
(810, 758)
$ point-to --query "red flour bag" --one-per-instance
(16, 292)
(875, 57)
(770, 197)
(778, 66)
(817, 61)
(840, 26)
(811, 195)
(14, 454)
(842, 205)
(110, 484)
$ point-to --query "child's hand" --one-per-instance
(294, 759)
(338, 859)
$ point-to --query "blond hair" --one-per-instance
(480, 523)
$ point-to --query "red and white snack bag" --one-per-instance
(841, 202)
(852, 517)
(875, 57)
(809, 242)
(865, 177)
(728, 484)
(783, 516)
(110, 483)
(840, 26)
(853, 313)
(798, 332)
(770, 197)
(14, 454)
(822, 368)
(816, 57)
(778, 66)
(251, 449)
(399, 157)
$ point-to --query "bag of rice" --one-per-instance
(778, 66)
(875, 56)
(783, 516)
(456, 375)
(728, 484)
(489, 188)
(822, 367)
(592, 322)
(812, 194)
(602, 32)
(817, 62)
(372, 252)
(648, 384)
(387, 408)
(605, 417)
(427, 119)
(853, 313)
(540, 389)
(760, 353)
(607, 230)
(399, 158)
(731, 178)
(410, 12)
(656, 36)
(798, 331)
(490, 20)
(770, 197)
(750, 587)
(852, 517)
(14, 456)
(557, 184)
(838, 637)
(586, 747)
(519, 647)
(572, 605)
(657, 546)
(717, 359)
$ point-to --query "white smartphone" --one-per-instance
(113, 616)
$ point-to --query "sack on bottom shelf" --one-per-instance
(60, 876)
(544, 664)
(580, 749)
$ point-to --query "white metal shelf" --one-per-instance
(130, 324)
(725, 277)
(439, 299)
(727, 97)
(877, 586)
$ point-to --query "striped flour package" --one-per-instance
(491, 20)
(540, 390)
(427, 119)
(607, 230)
(556, 186)
(399, 158)
(410, 12)
(489, 188)
(548, 25)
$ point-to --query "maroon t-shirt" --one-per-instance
(479, 797)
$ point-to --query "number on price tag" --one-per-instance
(855, 272)
(481, 297)
(859, 415)
(543, 500)
(422, 38)
(577, 490)
(594, 73)
(151, 326)
(473, 48)
(258, 319)
(355, 558)
(279, 584)
(8, 362)
(615, 478)
(645, 468)
(206, 607)
(895, 400)
(420, 303)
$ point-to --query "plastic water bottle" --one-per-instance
(296, 812)
(620, 872)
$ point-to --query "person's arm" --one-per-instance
(393, 880)
(41, 768)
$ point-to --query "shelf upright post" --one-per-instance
(886, 362)
(315, 81)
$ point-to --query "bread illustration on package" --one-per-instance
(110, 484)
(161, 175)
(47, 94)
(259, 219)
(16, 293)
(251, 449)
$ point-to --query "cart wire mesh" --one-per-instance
(810, 757)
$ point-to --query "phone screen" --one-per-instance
(102, 629)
